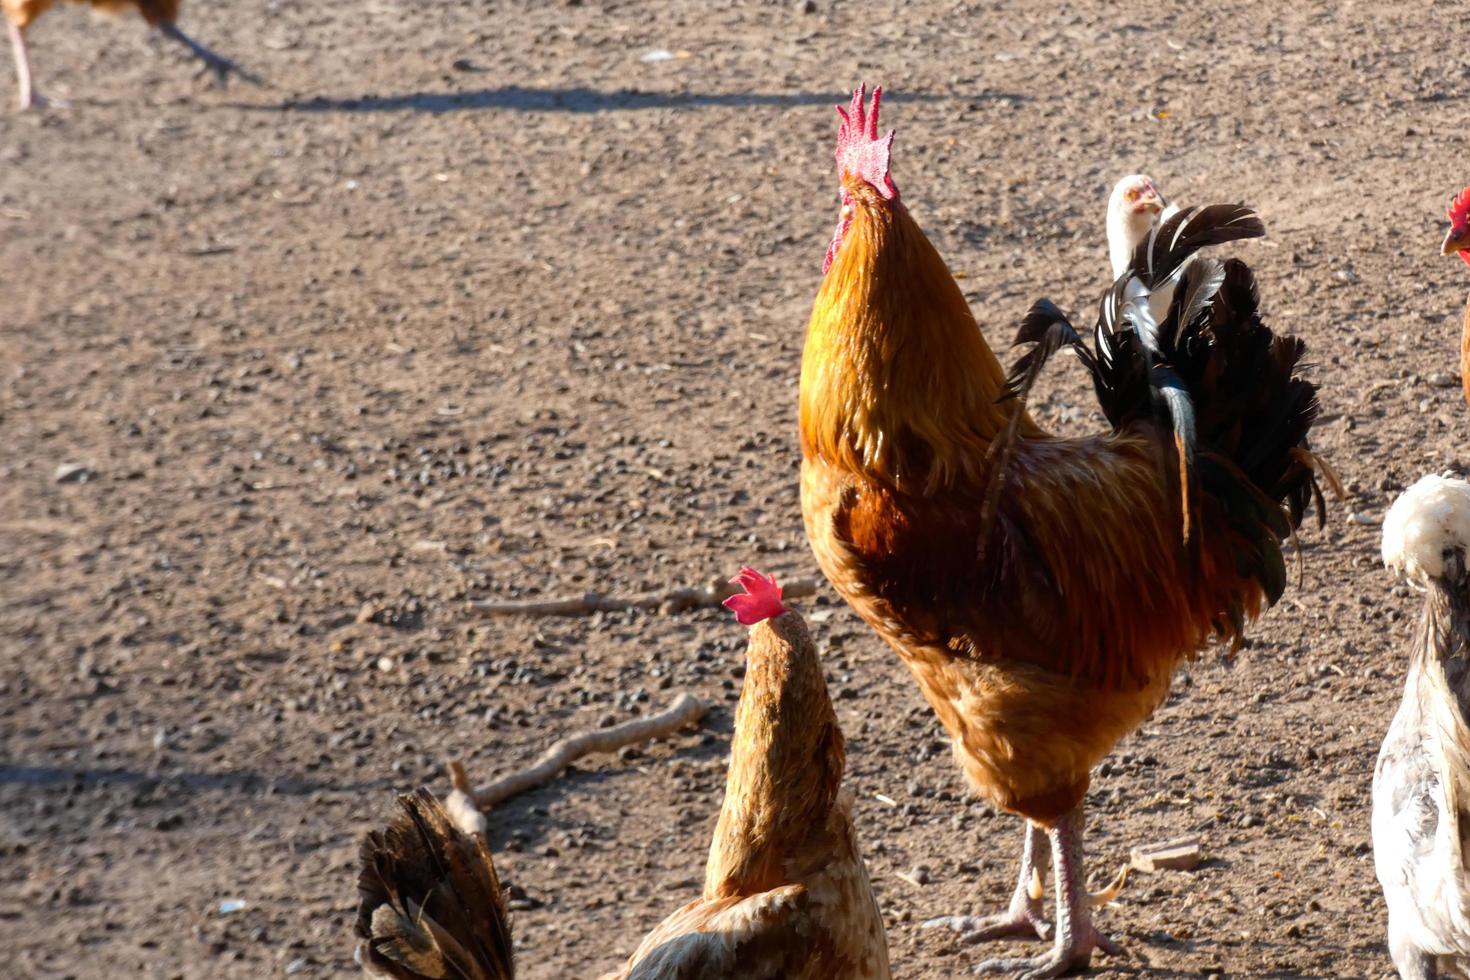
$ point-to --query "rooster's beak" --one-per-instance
(1458, 240)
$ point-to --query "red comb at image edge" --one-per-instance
(761, 600)
(1459, 210)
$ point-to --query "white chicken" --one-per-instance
(1133, 210)
(1421, 787)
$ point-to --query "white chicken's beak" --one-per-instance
(1149, 202)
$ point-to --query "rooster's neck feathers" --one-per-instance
(897, 381)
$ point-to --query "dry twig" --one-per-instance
(685, 710)
(670, 601)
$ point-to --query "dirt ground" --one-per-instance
(478, 300)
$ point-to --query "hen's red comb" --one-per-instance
(860, 150)
(1459, 212)
(761, 600)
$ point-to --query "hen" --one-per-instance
(161, 14)
(1042, 590)
(1458, 240)
(786, 893)
(1421, 787)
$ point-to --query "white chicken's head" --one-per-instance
(1426, 527)
(1132, 210)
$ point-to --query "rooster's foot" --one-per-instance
(1064, 958)
(1026, 924)
(35, 100)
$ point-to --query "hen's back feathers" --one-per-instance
(430, 906)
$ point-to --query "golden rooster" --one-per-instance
(1421, 785)
(786, 893)
(1042, 590)
(160, 14)
(1458, 240)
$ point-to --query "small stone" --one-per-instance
(1443, 379)
(296, 966)
(74, 473)
(1180, 854)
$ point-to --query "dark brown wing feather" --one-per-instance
(430, 906)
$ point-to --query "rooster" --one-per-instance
(1421, 786)
(1042, 590)
(160, 14)
(786, 893)
(1458, 240)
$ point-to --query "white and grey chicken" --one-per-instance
(1421, 787)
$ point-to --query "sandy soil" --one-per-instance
(476, 301)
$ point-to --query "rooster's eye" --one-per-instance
(1132, 194)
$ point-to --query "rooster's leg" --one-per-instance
(1023, 919)
(29, 98)
(1076, 935)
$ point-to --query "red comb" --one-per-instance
(761, 600)
(860, 150)
(1459, 211)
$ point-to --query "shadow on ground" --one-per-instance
(581, 99)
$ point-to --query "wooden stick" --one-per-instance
(685, 710)
(671, 601)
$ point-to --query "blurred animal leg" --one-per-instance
(1076, 937)
(27, 94)
(1023, 919)
(209, 61)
